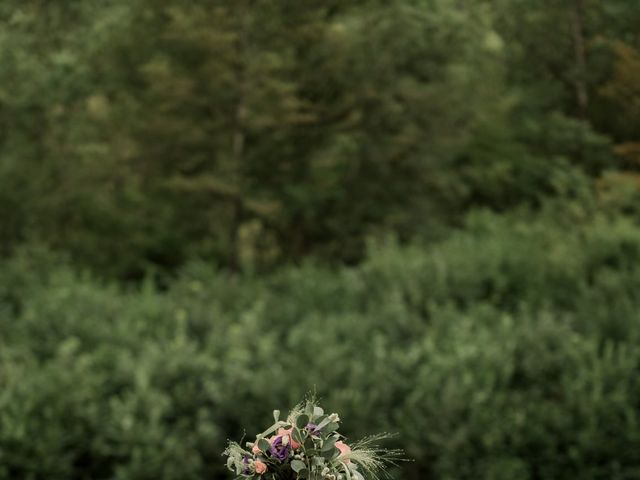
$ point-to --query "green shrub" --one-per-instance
(508, 351)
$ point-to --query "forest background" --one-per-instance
(426, 210)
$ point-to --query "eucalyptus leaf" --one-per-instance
(328, 444)
(297, 465)
(309, 408)
(263, 445)
(330, 427)
(330, 454)
(302, 421)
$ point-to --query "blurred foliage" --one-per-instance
(138, 135)
(427, 209)
(508, 351)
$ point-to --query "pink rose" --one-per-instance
(344, 450)
(255, 450)
(287, 432)
(261, 467)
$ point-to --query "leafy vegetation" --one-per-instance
(510, 350)
(140, 135)
(425, 208)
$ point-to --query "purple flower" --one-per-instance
(278, 450)
(312, 428)
(245, 460)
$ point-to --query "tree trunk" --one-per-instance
(238, 142)
(580, 79)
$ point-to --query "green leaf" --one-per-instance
(303, 473)
(302, 421)
(297, 465)
(308, 444)
(330, 454)
(329, 443)
(319, 420)
(297, 436)
(330, 427)
(309, 408)
(263, 445)
(276, 415)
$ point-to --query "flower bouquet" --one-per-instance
(307, 445)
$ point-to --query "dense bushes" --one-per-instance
(509, 351)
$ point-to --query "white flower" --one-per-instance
(334, 417)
